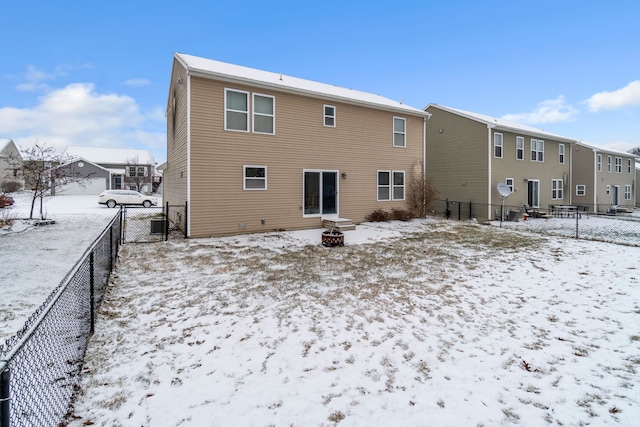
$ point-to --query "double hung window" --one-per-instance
(330, 116)
(236, 110)
(255, 178)
(618, 164)
(561, 154)
(519, 148)
(537, 150)
(391, 185)
(263, 114)
(627, 192)
(497, 145)
(581, 190)
(556, 189)
(399, 132)
(599, 163)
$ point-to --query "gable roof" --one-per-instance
(244, 75)
(82, 159)
(606, 150)
(110, 156)
(502, 124)
(9, 148)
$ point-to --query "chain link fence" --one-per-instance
(154, 224)
(40, 365)
(615, 225)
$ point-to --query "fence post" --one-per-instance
(186, 219)
(111, 248)
(166, 223)
(5, 376)
(577, 216)
(91, 294)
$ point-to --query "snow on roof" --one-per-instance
(606, 150)
(502, 123)
(111, 156)
(5, 144)
(237, 73)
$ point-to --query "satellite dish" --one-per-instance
(504, 189)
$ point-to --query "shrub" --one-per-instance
(401, 214)
(9, 186)
(378, 216)
(422, 191)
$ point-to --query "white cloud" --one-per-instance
(628, 95)
(549, 111)
(78, 115)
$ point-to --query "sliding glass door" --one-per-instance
(320, 192)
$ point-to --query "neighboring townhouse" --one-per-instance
(603, 179)
(127, 169)
(637, 190)
(10, 157)
(83, 177)
(468, 154)
(251, 151)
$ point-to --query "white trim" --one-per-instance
(244, 177)
(320, 214)
(609, 164)
(598, 162)
(512, 186)
(325, 116)
(520, 138)
(584, 190)
(559, 189)
(618, 164)
(496, 145)
(562, 154)
(188, 213)
(388, 172)
(536, 147)
(226, 90)
(253, 113)
(394, 186)
(403, 133)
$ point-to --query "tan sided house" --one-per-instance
(603, 179)
(251, 151)
(468, 154)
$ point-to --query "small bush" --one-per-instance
(9, 186)
(401, 214)
(378, 216)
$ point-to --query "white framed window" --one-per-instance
(537, 150)
(556, 189)
(329, 113)
(581, 190)
(255, 177)
(142, 171)
(561, 154)
(264, 114)
(629, 169)
(609, 164)
(607, 190)
(618, 164)
(497, 145)
(627, 192)
(398, 185)
(599, 163)
(132, 171)
(236, 110)
(384, 185)
(399, 132)
(519, 148)
(510, 183)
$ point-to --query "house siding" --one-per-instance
(584, 166)
(457, 157)
(359, 145)
(175, 176)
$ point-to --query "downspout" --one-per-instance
(595, 180)
(424, 164)
(489, 170)
(188, 213)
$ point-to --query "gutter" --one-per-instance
(489, 169)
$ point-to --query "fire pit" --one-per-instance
(332, 238)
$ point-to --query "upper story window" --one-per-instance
(537, 150)
(599, 162)
(618, 164)
(609, 164)
(329, 116)
(142, 171)
(236, 110)
(263, 114)
(255, 178)
(629, 166)
(399, 132)
(519, 148)
(497, 145)
(132, 171)
(561, 154)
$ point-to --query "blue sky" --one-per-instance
(97, 73)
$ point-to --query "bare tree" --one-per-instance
(44, 171)
(422, 191)
(137, 173)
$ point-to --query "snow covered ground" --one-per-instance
(420, 323)
(35, 259)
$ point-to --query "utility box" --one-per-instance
(513, 215)
(157, 226)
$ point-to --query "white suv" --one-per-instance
(112, 198)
